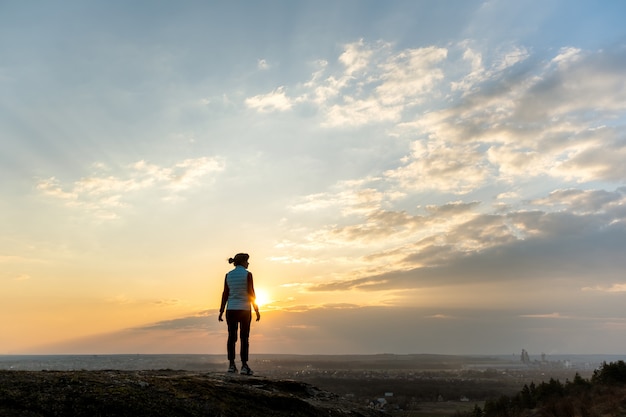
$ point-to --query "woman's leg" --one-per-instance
(232, 320)
(245, 320)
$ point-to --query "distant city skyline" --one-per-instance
(407, 176)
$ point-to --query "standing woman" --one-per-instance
(239, 294)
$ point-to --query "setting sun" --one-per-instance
(262, 297)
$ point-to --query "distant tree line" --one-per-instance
(602, 395)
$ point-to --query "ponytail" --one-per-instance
(239, 259)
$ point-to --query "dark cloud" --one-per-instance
(587, 85)
(346, 328)
(199, 321)
(603, 162)
(586, 200)
(581, 248)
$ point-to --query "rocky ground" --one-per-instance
(164, 393)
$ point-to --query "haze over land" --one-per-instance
(408, 176)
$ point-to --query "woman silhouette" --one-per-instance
(239, 295)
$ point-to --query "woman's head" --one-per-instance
(239, 259)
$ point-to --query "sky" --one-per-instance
(416, 176)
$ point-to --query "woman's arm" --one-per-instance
(225, 295)
(252, 296)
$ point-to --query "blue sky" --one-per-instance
(449, 174)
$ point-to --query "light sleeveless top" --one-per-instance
(237, 281)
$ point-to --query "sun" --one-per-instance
(262, 297)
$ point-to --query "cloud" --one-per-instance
(440, 316)
(355, 57)
(168, 302)
(104, 194)
(586, 201)
(542, 120)
(200, 321)
(378, 225)
(499, 129)
(192, 334)
(22, 277)
(506, 247)
(544, 316)
(408, 76)
(569, 232)
(348, 328)
(12, 258)
(614, 288)
(375, 84)
(262, 64)
(276, 100)
(351, 197)
(439, 166)
(120, 299)
(589, 86)
(566, 57)
(356, 112)
(366, 330)
(538, 132)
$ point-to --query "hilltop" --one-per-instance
(115, 393)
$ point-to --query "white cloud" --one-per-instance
(375, 84)
(550, 122)
(356, 57)
(276, 100)
(360, 112)
(348, 196)
(103, 195)
(407, 76)
(567, 56)
(478, 73)
(437, 165)
(188, 173)
(508, 195)
(262, 64)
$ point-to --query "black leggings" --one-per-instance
(235, 318)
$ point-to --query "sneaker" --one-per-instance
(232, 369)
(245, 370)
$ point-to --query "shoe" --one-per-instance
(245, 370)
(232, 369)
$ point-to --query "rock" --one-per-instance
(168, 393)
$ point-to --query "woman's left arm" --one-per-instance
(252, 296)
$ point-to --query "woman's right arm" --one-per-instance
(225, 294)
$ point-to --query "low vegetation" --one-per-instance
(603, 395)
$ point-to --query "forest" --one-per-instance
(604, 394)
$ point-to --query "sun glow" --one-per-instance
(262, 297)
